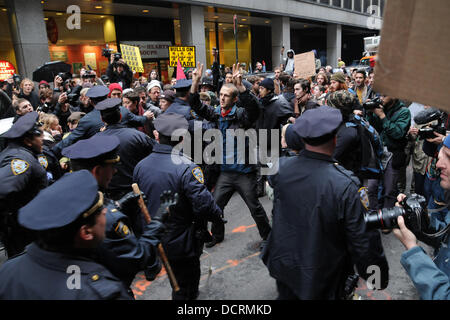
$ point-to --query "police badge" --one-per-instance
(198, 174)
(19, 166)
(43, 161)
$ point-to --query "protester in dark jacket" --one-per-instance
(27, 92)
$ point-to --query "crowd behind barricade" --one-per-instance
(333, 139)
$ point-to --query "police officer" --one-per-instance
(166, 169)
(129, 246)
(181, 103)
(21, 176)
(318, 236)
(91, 123)
(134, 146)
(60, 264)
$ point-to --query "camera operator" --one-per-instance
(430, 276)
(392, 121)
(118, 71)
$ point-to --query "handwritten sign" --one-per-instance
(185, 54)
(305, 65)
(132, 56)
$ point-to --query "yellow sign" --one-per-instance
(185, 54)
(132, 56)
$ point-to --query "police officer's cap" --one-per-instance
(97, 149)
(59, 205)
(24, 124)
(97, 92)
(167, 123)
(182, 84)
(318, 122)
(109, 103)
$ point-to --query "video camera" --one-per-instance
(373, 104)
(106, 52)
(431, 121)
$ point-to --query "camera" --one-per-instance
(117, 56)
(106, 52)
(431, 121)
(413, 211)
(16, 79)
(43, 108)
(73, 95)
(89, 74)
(370, 105)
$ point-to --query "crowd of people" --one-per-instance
(83, 141)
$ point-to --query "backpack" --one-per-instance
(371, 149)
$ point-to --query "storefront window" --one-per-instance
(227, 43)
(81, 47)
(6, 44)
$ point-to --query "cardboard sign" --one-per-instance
(151, 49)
(185, 54)
(304, 65)
(132, 56)
(412, 62)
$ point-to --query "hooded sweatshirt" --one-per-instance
(289, 63)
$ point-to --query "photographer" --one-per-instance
(430, 276)
(45, 98)
(118, 71)
(392, 121)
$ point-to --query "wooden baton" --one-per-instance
(162, 253)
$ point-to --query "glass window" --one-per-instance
(325, 2)
(348, 4)
(81, 47)
(382, 2)
(357, 4)
(366, 6)
(337, 3)
(227, 43)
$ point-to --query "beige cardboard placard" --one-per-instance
(305, 65)
(413, 58)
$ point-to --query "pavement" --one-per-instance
(232, 270)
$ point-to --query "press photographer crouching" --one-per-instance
(431, 276)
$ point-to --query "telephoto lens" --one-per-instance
(413, 209)
(384, 218)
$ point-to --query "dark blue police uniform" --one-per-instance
(134, 146)
(183, 241)
(64, 274)
(124, 251)
(318, 237)
(22, 177)
(92, 122)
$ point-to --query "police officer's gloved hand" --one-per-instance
(167, 201)
(129, 201)
(152, 271)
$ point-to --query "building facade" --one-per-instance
(38, 31)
